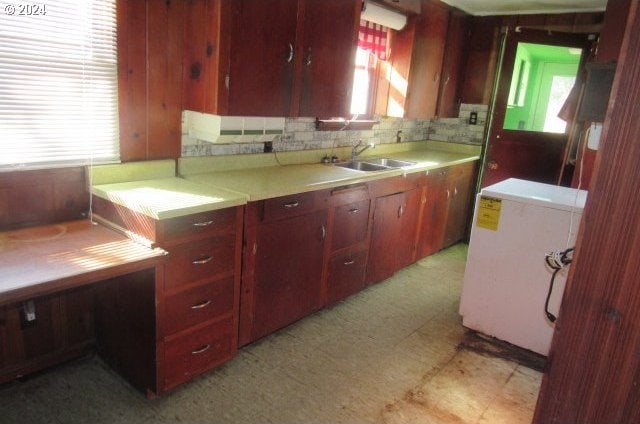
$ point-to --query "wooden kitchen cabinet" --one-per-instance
(426, 62)
(433, 216)
(283, 262)
(460, 191)
(454, 63)
(395, 221)
(183, 319)
(263, 53)
(63, 328)
(270, 57)
(446, 207)
(348, 242)
(326, 57)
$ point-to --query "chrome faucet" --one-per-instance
(355, 152)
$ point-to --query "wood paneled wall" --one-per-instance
(594, 373)
(42, 196)
(150, 53)
(608, 51)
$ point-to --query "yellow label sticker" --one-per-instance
(489, 213)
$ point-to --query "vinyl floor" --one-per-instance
(386, 355)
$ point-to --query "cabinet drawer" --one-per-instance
(394, 185)
(346, 275)
(197, 225)
(294, 205)
(350, 225)
(196, 352)
(199, 260)
(198, 304)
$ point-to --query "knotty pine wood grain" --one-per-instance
(150, 37)
(42, 196)
(594, 375)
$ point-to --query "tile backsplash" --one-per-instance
(459, 130)
(300, 134)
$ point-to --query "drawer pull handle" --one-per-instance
(354, 210)
(201, 349)
(349, 262)
(291, 205)
(201, 304)
(202, 224)
(202, 261)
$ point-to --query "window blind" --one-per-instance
(58, 83)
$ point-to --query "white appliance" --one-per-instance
(515, 223)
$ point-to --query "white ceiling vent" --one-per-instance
(381, 15)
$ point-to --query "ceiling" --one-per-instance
(512, 7)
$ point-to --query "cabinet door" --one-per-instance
(453, 65)
(406, 252)
(426, 63)
(434, 215)
(460, 192)
(262, 57)
(385, 238)
(288, 271)
(327, 56)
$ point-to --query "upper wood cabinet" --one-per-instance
(270, 57)
(453, 65)
(426, 63)
(326, 57)
(263, 55)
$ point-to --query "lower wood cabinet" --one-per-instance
(283, 259)
(395, 221)
(63, 328)
(447, 201)
(349, 234)
(460, 190)
(433, 217)
(181, 320)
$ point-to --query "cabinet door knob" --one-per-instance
(492, 165)
(202, 261)
(349, 262)
(354, 210)
(400, 211)
(201, 349)
(291, 205)
(324, 232)
(201, 304)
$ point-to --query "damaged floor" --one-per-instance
(387, 355)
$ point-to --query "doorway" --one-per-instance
(527, 139)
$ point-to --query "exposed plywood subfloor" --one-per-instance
(387, 355)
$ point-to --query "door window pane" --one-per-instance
(542, 78)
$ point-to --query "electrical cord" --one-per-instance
(556, 261)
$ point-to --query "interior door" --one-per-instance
(526, 138)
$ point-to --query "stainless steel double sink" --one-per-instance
(374, 164)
